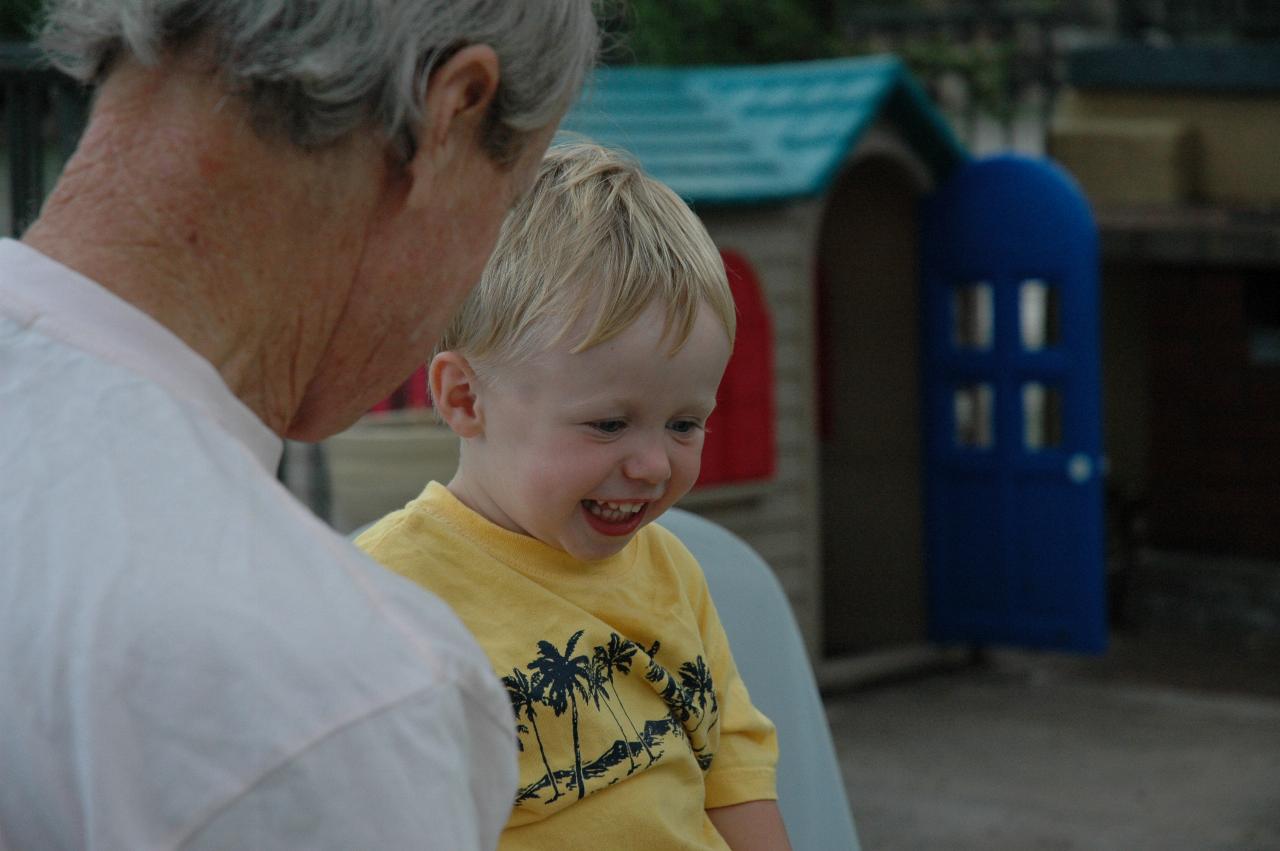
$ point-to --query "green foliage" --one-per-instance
(18, 19)
(730, 32)
(985, 67)
(717, 32)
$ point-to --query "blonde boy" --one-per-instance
(579, 377)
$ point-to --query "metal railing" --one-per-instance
(44, 114)
(994, 68)
(1198, 20)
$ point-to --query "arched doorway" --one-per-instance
(869, 427)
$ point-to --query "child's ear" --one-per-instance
(454, 392)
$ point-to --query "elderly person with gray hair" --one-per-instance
(274, 210)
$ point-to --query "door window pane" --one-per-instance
(1041, 416)
(974, 415)
(972, 314)
(1039, 315)
(1262, 321)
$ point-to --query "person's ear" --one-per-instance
(455, 393)
(455, 110)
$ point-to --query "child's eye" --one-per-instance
(608, 426)
(684, 427)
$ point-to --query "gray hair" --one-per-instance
(320, 69)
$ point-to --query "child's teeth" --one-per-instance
(615, 511)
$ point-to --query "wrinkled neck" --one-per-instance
(174, 203)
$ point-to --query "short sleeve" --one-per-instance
(745, 764)
(431, 771)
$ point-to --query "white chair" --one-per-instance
(771, 657)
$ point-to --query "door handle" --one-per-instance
(1079, 468)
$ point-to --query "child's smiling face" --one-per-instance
(581, 450)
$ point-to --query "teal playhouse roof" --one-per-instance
(758, 133)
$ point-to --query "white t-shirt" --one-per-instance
(188, 658)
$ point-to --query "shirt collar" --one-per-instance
(59, 302)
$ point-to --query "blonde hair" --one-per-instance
(593, 243)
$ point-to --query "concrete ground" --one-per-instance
(1157, 745)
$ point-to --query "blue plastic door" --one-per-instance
(1013, 491)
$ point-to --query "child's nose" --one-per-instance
(648, 462)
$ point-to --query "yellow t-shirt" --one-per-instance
(631, 715)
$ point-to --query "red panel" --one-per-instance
(825, 357)
(412, 394)
(740, 444)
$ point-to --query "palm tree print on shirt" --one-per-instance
(617, 656)
(688, 704)
(696, 681)
(559, 678)
(574, 684)
(523, 698)
(600, 693)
